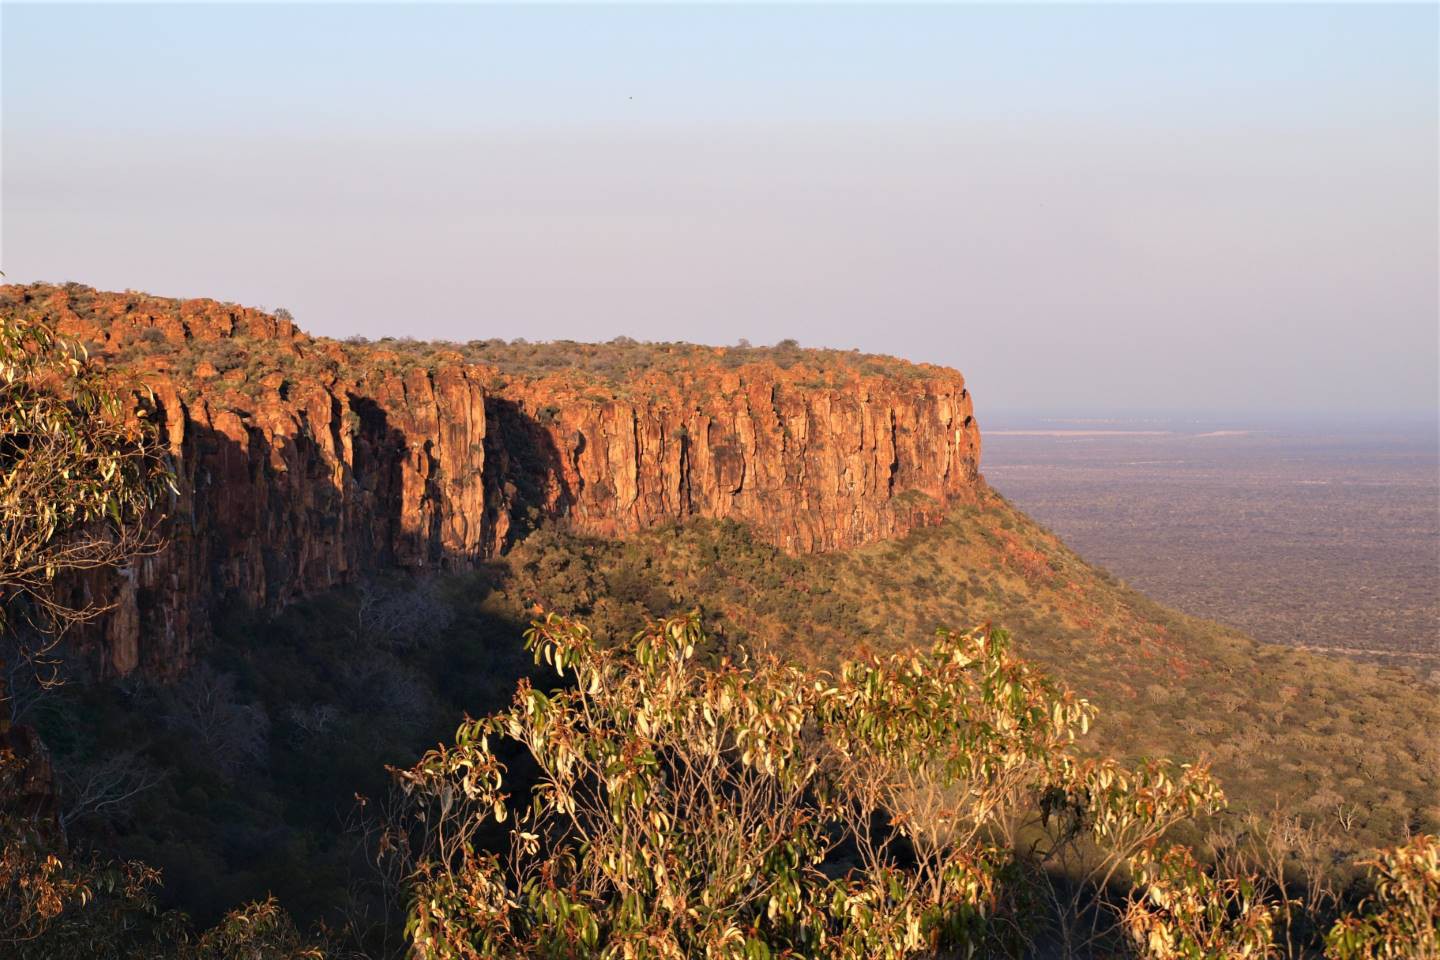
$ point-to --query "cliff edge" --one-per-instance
(305, 462)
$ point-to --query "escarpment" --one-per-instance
(303, 463)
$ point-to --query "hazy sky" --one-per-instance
(1085, 209)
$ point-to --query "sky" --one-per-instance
(1225, 210)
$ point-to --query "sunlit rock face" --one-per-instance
(303, 462)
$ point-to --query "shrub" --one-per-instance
(749, 807)
(1404, 916)
(1181, 912)
(917, 805)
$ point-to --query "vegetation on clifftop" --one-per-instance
(161, 334)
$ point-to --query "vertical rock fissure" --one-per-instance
(894, 456)
(686, 505)
(779, 419)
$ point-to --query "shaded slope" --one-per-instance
(1312, 733)
(1309, 732)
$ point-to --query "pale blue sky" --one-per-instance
(1222, 209)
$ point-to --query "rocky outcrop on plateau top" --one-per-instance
(304, 462)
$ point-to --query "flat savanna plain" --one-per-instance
(1323, 538)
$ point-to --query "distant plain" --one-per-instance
(1324, 537)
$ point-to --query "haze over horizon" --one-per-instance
(1099, 209)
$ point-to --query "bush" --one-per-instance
(751, 807)
(685, 804)
(1404, 919)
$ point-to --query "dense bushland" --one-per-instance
(1320, 738)
(686, 803)
(344, 691)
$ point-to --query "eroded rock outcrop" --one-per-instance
(303, 462)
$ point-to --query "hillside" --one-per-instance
(359, 677)
(1320, 534)
(1283, 726)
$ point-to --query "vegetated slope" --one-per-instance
(351, 680)
(1314, 734)
(304, 463)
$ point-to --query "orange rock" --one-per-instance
(371, 459)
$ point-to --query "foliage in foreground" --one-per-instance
(80, 468)
(905, 806)
(1403, 920)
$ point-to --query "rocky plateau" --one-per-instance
(304, 463)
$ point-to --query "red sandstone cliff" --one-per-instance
(303, 462)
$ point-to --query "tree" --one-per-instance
(204, 705)
(1403, 919)
(752, 808)
(405, 617)
(106, 786)
(81, 467)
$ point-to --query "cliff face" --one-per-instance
(303, 462)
